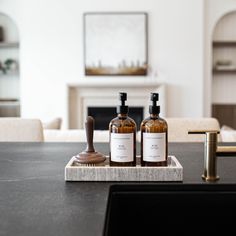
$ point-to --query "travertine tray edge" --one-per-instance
(173, 172)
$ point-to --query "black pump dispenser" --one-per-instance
(154, 109)
(122, 109)
(122, 136)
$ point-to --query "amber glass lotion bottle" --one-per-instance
(154, 139)
(122, 134)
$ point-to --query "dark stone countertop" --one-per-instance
(35, 199)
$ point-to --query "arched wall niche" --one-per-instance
(224, 69)
(10, 29)
(223, 29)
(9, 67)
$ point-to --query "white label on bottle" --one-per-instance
(122, 147)
(154, 147)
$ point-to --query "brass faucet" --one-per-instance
(211, 151)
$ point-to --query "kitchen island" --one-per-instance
(36, 200)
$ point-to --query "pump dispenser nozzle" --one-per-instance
(123, 98)
(154, 109)
(122, 109)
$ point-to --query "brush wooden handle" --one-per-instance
(89, 155)
(89, 127)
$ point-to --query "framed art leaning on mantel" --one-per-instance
(115, 43)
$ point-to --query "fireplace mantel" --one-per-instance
(117, 82)
(103, 92)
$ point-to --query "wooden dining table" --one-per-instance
(35, 199)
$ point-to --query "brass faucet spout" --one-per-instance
(211, 151)
(210, 161)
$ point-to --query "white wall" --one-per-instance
(215, 10)
(51, 34)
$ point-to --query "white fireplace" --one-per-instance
(104, 92)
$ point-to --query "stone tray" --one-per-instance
(104, 172)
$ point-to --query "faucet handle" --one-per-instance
(226, 151)
(203, 131)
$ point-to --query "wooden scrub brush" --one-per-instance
(89, 156)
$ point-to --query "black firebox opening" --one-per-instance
(103, 116)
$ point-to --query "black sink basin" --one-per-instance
(155, 209)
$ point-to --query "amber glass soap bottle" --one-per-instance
(122, 131)
(154, 140)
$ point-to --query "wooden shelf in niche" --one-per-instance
(224, 43)
(9, 74)
(225, 113)
(225, 71)
(9, 100)
(221, 44)
(9, 44)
